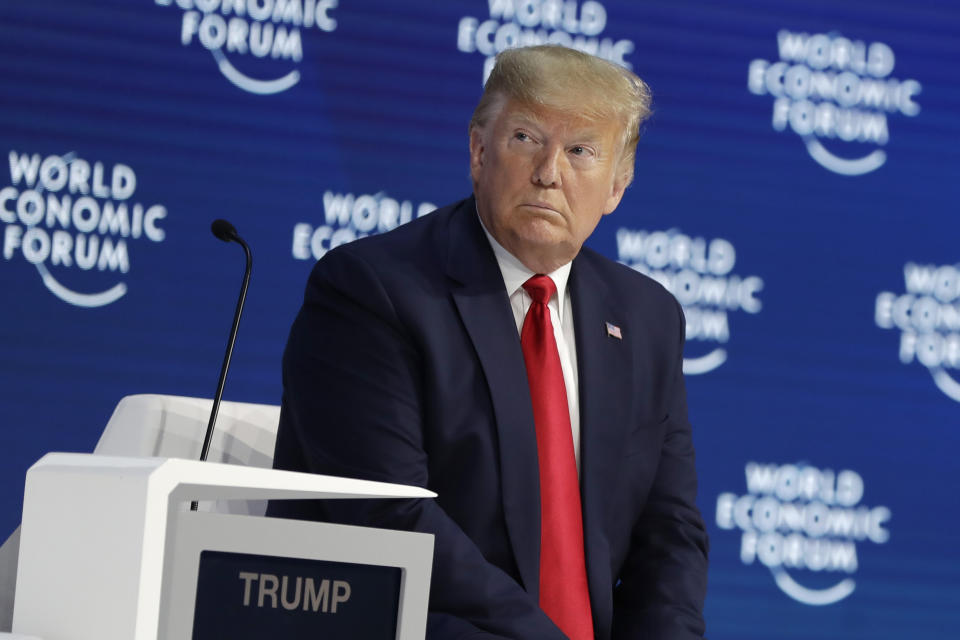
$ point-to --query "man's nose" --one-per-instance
(546, 171)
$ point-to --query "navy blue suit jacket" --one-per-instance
(404, 365)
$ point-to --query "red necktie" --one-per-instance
(563, 575)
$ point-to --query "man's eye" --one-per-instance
(578, 151)
(521, 136)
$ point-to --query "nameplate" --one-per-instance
(241, 596)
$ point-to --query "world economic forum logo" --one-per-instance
(804, 524)
(267, 30)
(927, 315)
(74, 219)
(836, 94)
(699, 273)
(525, 23)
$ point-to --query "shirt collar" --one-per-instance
(515, 273)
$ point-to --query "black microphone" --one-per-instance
(225, 231)
(228, 233)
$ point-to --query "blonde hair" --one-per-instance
(568, 80)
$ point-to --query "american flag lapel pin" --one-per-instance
(614, 331)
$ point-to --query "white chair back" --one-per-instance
(153, 425)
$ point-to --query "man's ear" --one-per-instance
(620, 182)
(476, 152)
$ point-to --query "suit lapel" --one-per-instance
(605, 383)
(484, 307)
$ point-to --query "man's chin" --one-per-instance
(543, 249)
(543, 231)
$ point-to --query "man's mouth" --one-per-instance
(543, 206)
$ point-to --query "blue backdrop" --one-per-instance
(796, 189)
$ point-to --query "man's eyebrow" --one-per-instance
(524, 118)
(587, 133)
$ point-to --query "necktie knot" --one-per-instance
(540, 288)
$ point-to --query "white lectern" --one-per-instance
(110, 551)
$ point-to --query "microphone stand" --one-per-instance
(226, 232)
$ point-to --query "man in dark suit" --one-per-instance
(482, 353)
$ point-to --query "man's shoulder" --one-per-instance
(404, 258)
(405, 237)
(629, 285)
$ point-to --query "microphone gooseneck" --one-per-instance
(225, 231)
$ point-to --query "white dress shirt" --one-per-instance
(515, 273)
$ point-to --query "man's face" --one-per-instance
(543, 179)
